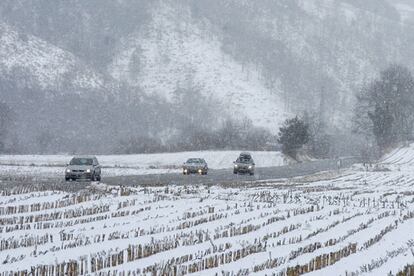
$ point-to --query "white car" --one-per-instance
(83, 167)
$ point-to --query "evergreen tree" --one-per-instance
(293, 135)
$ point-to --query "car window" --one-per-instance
(81, 161)
(244, 160)
(193, 160)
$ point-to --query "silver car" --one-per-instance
(195, 165)
(83, 167)
(244, 164)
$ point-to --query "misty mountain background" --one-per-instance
(104, 76)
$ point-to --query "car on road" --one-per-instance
(83, 167)
(244, 164)
(195, 165)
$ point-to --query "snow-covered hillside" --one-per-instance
(34, 62)
(172, 52)
(327, 45)
(264, 60)
(324, 37)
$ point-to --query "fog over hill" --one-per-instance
(94, 75)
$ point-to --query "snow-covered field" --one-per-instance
(350, 223)
(402, 157)
(136, 164)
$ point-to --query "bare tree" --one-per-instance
(385, 108)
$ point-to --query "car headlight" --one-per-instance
(235, 166)
(88, 170)
(68, 170)
(250, 167)
(200, 170)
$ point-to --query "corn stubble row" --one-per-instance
(229, 226)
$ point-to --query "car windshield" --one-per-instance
(193, 161)
(245, 159)
(81, 161)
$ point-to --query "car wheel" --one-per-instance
(98, 177)
(67, 179)
(251, 173)
(235, 172)
(93, 177)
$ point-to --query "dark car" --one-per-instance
(244, 164)
(83, 167)
(195, 165)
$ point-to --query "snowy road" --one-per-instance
(215, 177)
(44, 167)
(226, 176)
